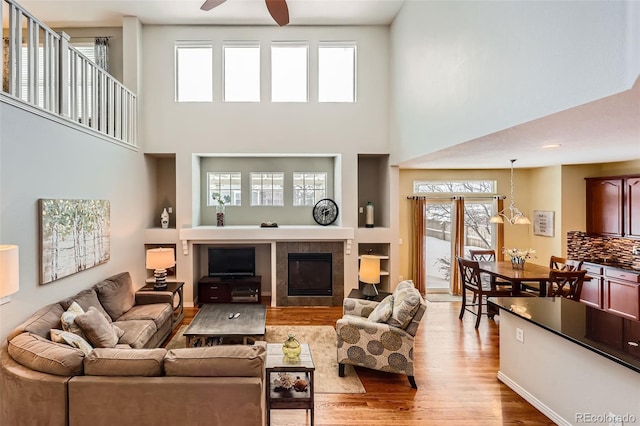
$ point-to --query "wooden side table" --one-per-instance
(301, 367)
(178, 301)
(357, 294)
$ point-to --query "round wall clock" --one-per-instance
(325, 212)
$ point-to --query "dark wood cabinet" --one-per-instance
(622, 293)
(632, 207)
(605, 207)
(613, 206)
(229, 290)
(591, 293)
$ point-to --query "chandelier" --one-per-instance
(515, 216)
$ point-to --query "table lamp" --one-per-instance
(159, 259)
(9, 272)
(369, 274)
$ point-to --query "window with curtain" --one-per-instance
(478, 231)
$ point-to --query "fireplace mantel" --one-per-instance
(256, 233)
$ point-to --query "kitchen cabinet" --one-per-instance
(622, 293)
(613, 206)
(632, 207)
(591, 293)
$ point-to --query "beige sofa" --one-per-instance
(130, 382)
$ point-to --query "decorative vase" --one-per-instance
(291, 347)
(164, 219)
(517, 263)
(220, 215)
(369, 215)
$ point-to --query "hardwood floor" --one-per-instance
(455, 369)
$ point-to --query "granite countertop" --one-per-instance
(576, 322)
(612, 264)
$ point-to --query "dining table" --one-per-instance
(503, 270)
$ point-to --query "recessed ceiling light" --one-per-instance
(552, 145)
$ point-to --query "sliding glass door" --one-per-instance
(478, 234)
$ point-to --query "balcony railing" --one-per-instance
(41, 68)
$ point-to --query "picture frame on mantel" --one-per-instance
(543, 223)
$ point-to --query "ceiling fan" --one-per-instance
(277, 8)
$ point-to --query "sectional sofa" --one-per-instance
(115, 372)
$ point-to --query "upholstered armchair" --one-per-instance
(380, 335)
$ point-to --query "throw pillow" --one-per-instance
(99, 331)
(405, 304)
(68, 319)
(116, 294)
(383, 311)
(71, 339)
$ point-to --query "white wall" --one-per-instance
(40, 158)
(466, 69)
(340, 130)
(265, 127)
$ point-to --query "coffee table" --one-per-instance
(212, 326)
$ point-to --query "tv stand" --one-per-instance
(229, 290)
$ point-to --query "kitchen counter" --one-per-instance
(588, 327)
(612, 264)
(565, 358)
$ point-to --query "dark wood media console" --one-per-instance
(229, 290)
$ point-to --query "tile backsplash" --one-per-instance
(591, 247)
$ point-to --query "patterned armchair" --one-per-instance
(380, 335)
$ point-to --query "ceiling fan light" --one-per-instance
(521, 220)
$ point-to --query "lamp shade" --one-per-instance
(9, 270)
(369, 269)
(160, 258)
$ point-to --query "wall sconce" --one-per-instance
(9, 272)
(370, 274)
(159, 259)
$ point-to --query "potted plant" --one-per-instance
(221, 200)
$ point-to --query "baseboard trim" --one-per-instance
(555, 417)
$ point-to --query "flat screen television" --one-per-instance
(232, 262)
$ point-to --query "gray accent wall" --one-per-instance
(254, 215)
(42, 158)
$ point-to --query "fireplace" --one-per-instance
(310, 274)
(333, 248)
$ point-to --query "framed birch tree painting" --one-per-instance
(74, 236)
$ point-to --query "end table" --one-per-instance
(301, 367)
(178, 302)
(357, 294)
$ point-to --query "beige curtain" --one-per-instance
(457, 242)
(418, 252)
(499, 231)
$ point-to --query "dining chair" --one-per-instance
(566, 284)
(557, 262)
(486, 255)
(471, 281)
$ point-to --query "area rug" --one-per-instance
(321, 340)
(442, 297)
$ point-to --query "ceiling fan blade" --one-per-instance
(279, 11)
(210, 4)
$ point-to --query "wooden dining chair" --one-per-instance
(487, 255)
(566, 284)
(471, 282)
(557, 262)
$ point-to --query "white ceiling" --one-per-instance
(606, 130)
(80, 13)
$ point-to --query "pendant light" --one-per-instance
(515, 216)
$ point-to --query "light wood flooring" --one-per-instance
(455, 369)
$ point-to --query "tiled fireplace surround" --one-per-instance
(336, 248)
